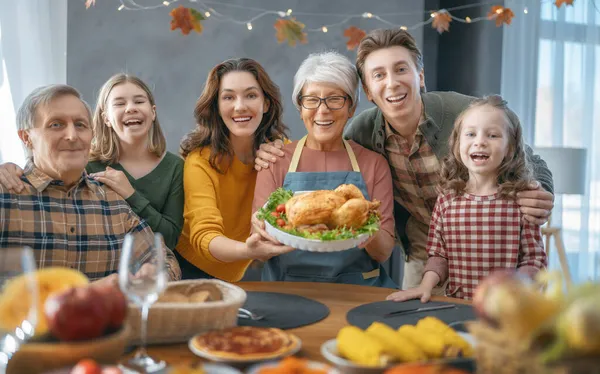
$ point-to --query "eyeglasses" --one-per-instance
(331, 102)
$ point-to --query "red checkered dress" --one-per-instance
(470, 236)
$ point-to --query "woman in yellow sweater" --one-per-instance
(239, 109)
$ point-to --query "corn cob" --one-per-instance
(395, 344)
(355, 345)
(429, 341)
(451, 337)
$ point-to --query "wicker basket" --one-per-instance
(178, 322)
(497, 353)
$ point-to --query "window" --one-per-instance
(568, 114)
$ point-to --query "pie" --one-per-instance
(245, 343)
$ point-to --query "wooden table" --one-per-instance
(340, 298)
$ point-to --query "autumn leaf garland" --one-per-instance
(292, 31)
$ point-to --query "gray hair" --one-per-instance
(42, 96)
(327, 67)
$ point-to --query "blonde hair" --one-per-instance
(105, 144)
(514, 173)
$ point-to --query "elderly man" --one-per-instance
(66, 217)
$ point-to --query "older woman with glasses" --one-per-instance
(326, 95)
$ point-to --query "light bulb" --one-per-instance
(207, 14)
(249, 25)
(121, 7)
(165, 3)
(324, 28)
(289, 11)
(468, 19)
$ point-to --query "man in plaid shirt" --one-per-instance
(66, 217)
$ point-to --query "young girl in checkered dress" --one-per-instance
(476, 226)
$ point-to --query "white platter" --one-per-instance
(313, 245)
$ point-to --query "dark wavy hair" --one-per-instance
(514, 173)
(212, 131)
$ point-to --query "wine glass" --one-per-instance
(18, 300)
(143, 278)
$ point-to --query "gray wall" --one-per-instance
(103, 41)
(469, 57)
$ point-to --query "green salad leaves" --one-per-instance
(274, 213)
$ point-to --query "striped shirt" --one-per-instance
(82, 227)
(471, 236)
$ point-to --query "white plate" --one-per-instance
(209, 356)
(330, 352)
(313, 245)
(255, 369)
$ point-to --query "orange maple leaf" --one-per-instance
(290, 30)
(89, 3)
(501, 14)
(559, 3)
(354, 35)
(441, 21)
(186, 19)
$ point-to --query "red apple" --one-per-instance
(116, 304)
(78, 313)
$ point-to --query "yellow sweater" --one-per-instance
(215, 205)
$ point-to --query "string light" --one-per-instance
(210, 12)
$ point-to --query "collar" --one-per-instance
(40, 180)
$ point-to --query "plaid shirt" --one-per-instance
(415, 173)
(82, 227)
(470, 236)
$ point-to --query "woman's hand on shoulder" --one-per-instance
(420, 292)
(10, 177)
(115, 179)
(267, 154)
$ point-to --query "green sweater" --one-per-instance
(158, 196)
(441, 110)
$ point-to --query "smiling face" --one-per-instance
(61, 138)
(394, 83)
(241, 103)
(325, 126)
(129, 113)
(484, 141)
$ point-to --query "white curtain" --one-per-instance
(33, 49)
(551, 76)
